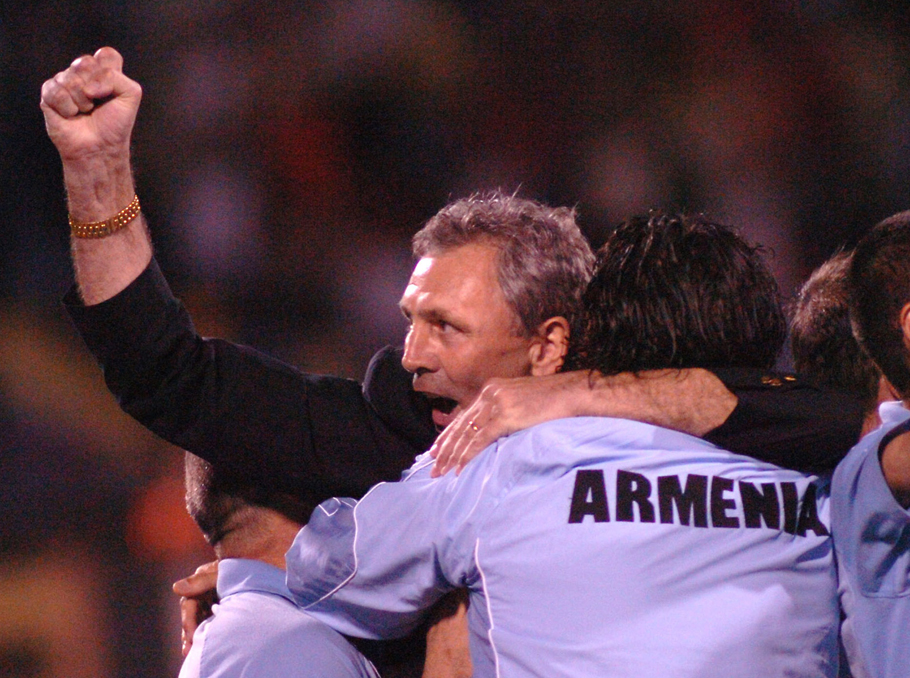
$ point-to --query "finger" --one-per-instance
(434, 448)
(204, 579)
(467, 447)
(488, 428)
(457, 446)
(84, 78)
(447, 443)
(102, 76)
(108, 57)
(462, 453)
(72, 91)
(441, 449)
(56, 99)
(188, 623)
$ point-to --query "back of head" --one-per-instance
(879, 289)
(821, 336)
(544, 259)
(678, 291)
(233, 513)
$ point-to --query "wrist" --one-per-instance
(581, 392)
(97, 186)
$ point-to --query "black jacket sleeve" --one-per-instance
(786, 420)
(387, 388)
(234, 406)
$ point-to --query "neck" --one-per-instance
(267, 540)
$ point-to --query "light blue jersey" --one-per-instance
(590, 546)
(258, 632)
(872, 537)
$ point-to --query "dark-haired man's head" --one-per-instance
(821, 337)
(240, 519)
(678, 291)
(879, 298)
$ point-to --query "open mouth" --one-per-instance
(442, 410)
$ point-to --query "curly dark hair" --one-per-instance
(678, 291)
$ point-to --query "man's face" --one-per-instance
(462, 332)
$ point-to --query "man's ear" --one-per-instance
(549, 346)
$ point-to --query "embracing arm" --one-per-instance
(374, 568)
(369, 571)
(780, 419)
(693, 401)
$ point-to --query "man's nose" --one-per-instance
(419, 356)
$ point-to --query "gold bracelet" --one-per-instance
(102, 229)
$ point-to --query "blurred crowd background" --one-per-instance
(285, 153)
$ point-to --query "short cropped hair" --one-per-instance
(222, 502)
(544, 259)
(677, 291)
(821, 336)
(879, 288)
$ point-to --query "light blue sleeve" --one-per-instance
(871, 533)
(372, 568)
(872, 530)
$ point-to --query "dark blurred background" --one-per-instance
(286, 152)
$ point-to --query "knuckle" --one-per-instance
(85, 62)
(48, 91)
(489, 393)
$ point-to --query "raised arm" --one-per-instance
(226, 403)
(89, 110)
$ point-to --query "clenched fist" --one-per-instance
(90, 108)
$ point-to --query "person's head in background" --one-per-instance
(822, 342)
(879, 298)
(240, 519)
(678, 291)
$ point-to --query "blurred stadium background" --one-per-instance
(286, 152)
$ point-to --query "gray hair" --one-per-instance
(544, 259)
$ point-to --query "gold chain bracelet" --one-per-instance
(102, 229)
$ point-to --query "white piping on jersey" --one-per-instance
(416, 467)
(353, 548)
(344, 501)
(486, 595)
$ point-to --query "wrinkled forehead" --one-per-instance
(474, 261)
(462, 280)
